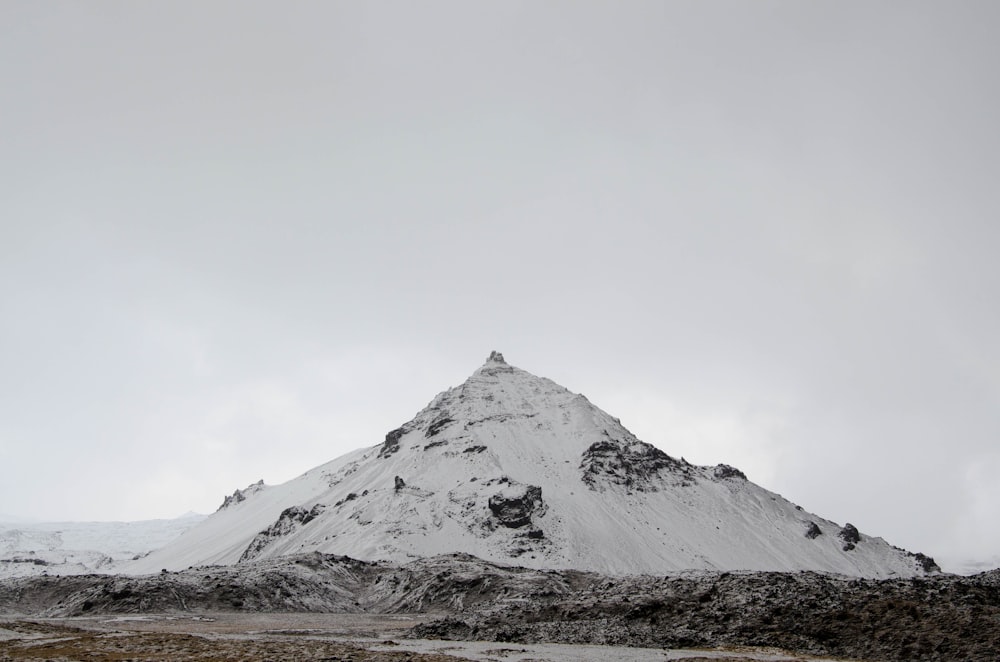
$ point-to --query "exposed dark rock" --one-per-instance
(241, 495)
(924, 619)
(289, 520)
(350, 497)
(940, 618)
(514, 506)
(444, 628)
(301, 583)
(850, 535)
(726, 471)
(437, 426)
(31, 561)
(536, 534)
(474, 449)
(391, 443)
(636, 465)
(926, 562)
(495, 365)
(813, 531)
(399, 483)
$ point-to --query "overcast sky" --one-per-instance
(239, 239)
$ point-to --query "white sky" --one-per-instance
(238, 239)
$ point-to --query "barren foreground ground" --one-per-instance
(253, 637)
(316, 606)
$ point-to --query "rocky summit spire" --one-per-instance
(496, 357)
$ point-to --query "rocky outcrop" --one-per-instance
(351, 496)
(289, 520)
(437, 426)
(241, 495)
(495, 365)
(850, 535)
(391, 443)
(514, 505)
(634, 465)
(723, 471)
(929, 619)
(926, 563)
(813, 531)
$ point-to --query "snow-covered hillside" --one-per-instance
(514, 468)
(72, 548)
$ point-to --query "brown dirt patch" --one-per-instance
(54, 642)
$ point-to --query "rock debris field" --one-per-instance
(325, 607)
(228, 637)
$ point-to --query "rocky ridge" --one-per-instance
(241, 495)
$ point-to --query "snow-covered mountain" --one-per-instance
(514, 468)
(73, 548)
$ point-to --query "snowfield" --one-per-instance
(74, 548)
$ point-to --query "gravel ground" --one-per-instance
(259, 637)
(332, 600)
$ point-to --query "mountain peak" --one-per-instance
(496, 365)
(512, 467)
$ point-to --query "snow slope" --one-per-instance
(72, 548)
(514, 468)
